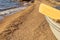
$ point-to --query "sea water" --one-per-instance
(6, 4)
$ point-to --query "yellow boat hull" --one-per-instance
(49, 11)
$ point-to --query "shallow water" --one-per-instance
(10, 12)
(5, 4)
(1, 17)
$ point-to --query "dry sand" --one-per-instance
(31, 26)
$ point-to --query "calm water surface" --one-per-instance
(5, 4)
